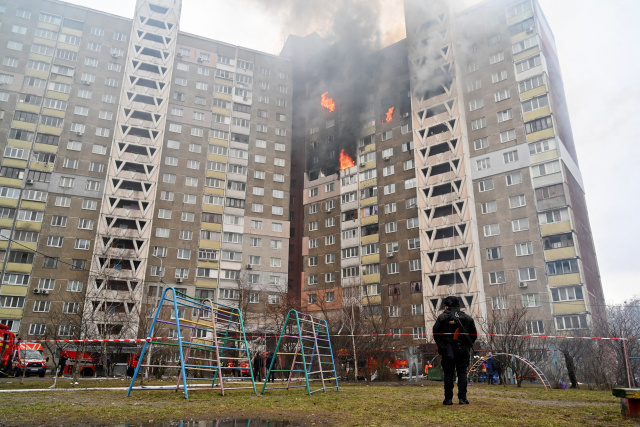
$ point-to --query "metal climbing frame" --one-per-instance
(210, 340)
(304, 353)
(534, 368)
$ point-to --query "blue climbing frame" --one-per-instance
(211, 344)
(304, 353)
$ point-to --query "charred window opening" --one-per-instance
(350, 215)
(437, 129)
(371, 229)
(394, 290)
(416, 287)
(558, 241)
(236, 137)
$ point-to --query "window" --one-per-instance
(479, 123)
(565, 266)
(499, 76)
(476, 104)
(481, 143)
(186, 235)
(37, 329)
(494, 253)
(502, 94)
(535, 327)
(392, 268)
(535, 103)
(162, 232)
(517, 201)
(474, 85)
(419, 333)
(491, 230)
(527, 274)
(389, 189)
(66, 182)
(520, 224)
(514, 178)
(542, 146)
(391, 227)
(505, 115)
(510, 157)
(496, 57)
(525, 44)
(489, 207)
(528, 64)
(571, 322)
(531, 83)
(500, 303)
(549, 192)
(74, 286)
(485, 185)
(83, 244)
(415, 265)
(567, 293)
(494, 39)
(413, 223)
(62, 201)
(523, 249)
(330, 240)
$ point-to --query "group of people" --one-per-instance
(490, 371)
(260, 363)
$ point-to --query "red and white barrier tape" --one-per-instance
(342, 335)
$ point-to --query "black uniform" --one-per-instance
(460, 333)
(258, 363)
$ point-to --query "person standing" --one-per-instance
(271, 357)
(258, 364)
(454, 333)
(62, 363)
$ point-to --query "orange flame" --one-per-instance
(327, 102)
(389, 114)
(345, 160)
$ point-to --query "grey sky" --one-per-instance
(597, 46)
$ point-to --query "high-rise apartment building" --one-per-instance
(136, 156)
(463, 181)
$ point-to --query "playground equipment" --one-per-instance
(531, 365)
(304, 346)
(210, 341)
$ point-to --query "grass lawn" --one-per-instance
(384, 404)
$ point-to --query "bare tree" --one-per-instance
(624, 322)
(505, 321)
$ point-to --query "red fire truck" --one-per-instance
(18, 356)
